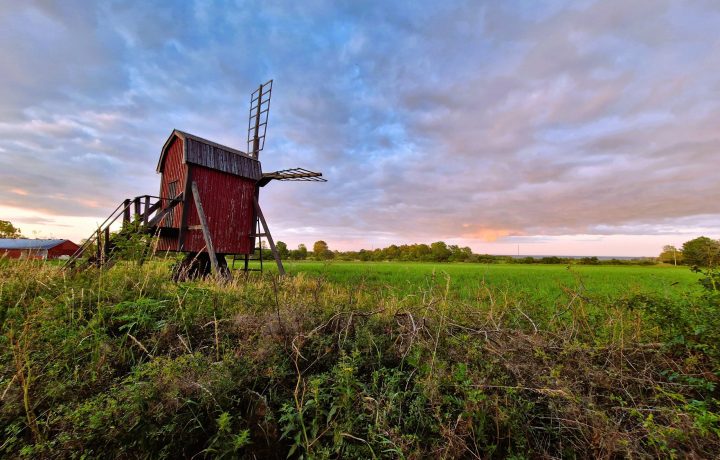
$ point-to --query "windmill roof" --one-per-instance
(23, 243)
(202, 152)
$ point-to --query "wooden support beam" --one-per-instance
(106, 246)
(154, 207)
(183, 214)
(161, 215)
(126, 211)
(274, 250)
(256, 137)
(205, 229)
(136, 202)
(146, 214)
(98, 243)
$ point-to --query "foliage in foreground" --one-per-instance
(127, 364)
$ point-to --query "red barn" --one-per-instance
(36, 248)
(227, 182)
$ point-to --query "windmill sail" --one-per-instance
(293, 174)
(258, 120)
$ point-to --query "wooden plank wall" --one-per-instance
(173, 170)
(228, 204)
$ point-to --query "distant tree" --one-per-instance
(459, 254)
(671, 255)
(392, 252)
(420, 252)
(702, 251)
(266, 251)
(282, 250)
(487, 259)
(8, 230)
(440, 251)
(321, 251)
(300, 253)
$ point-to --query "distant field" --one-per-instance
(539, 282)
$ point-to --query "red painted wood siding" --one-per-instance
(66, 248)
(227, 201)
(11, 253)
(173, 170)
(228, 204)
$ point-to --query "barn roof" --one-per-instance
(209, 154)
(23, 243)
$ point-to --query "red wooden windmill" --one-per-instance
(209, 204)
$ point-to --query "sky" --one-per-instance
(545, 127)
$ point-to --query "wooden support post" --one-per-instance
(205, 229)
(146, 214)
(183, 214)
(126, 211)
(106, 246)
(137, 207)
(275, 253)
(99, 244)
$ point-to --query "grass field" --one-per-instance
(359, 360)
(547, 284)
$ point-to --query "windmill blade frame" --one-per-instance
(258, 119)
(292, 175)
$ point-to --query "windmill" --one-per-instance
(208, 206)
(257, 129)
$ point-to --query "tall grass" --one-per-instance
(125, 363)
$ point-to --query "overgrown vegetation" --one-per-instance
(125, 363)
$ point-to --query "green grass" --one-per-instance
(542, 283)
(350, 360)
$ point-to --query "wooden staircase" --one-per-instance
(145, 211)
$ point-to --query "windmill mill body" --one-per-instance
(208, 206)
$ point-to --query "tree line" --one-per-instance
(701, 252)
(435, 252)
(438, 251)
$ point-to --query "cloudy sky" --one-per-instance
(562, 127)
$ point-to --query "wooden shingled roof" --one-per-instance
(203, 152)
